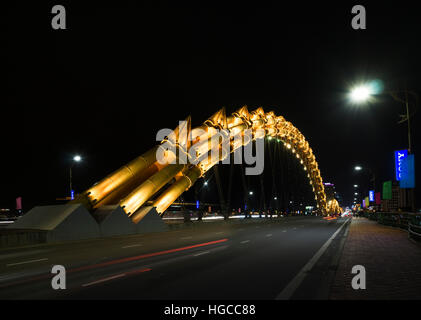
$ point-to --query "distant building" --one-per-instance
(401, 199)
(330, 191)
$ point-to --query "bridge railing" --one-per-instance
(414, 227)
(408, 221)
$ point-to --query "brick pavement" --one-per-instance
(391, 260)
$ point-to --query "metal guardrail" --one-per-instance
(408, 221)
(414, 227)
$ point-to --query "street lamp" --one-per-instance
(363, 93)
(355, 185)
(76, 159)
(251, 193)
(360, 94)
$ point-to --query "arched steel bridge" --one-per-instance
(138, 183)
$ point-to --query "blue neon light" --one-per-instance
(371, 196)
(399, 157)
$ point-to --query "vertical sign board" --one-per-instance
(387, 190)
(363, 203)
(400, 155)
(408, 173)
(371, 195)
(367, 202)
(378, 198)
(19, 203)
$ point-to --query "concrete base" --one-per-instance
(148, 220)
(113, 221)
(61, 222)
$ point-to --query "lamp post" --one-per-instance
(405, 117)
(76, 159)
(363, 94)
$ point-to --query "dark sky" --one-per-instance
(120, 72)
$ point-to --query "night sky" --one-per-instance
(122, 71)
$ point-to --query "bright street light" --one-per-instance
(364, 92)
(355, 185)
(77, 158)
(358, 168)
(360, 93)
(251, 193)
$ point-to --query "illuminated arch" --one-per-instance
(136, 184)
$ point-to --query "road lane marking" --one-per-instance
(103, 280)
(120, 275)
(201, 253)
(184, 238)
(132, 245)
(269, 235)
(245, 241)
(25, 262)
(24, 253)
(284, 231)
(289, 290)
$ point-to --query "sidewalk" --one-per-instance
(392, 263)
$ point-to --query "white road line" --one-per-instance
(289, 290)
(269, 235)
(284, 231)
(133, 245)
(24, 262)
(186, 238)
(103, 280)
(200, 253)
(245, 241)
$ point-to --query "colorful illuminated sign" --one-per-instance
(378, 198)
(399, 158)
(387, 190)
(371, 195)
(408, 172)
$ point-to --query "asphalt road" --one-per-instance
(284, 258)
